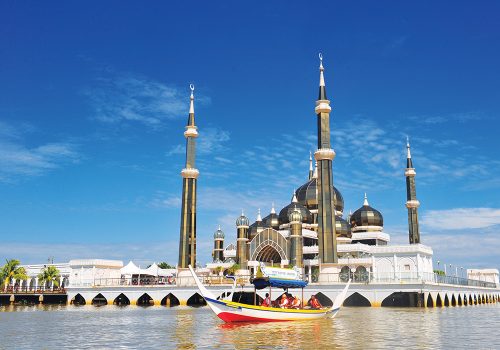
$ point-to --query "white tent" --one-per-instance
(155, 270)
(130, 269)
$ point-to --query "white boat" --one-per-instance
(230, 311)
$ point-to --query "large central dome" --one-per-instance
(306, 195)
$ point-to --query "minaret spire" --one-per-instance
(311, 171)
(365, 202)
(324, 155)
(412, 203)
(187, 241)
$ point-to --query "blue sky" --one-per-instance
(94, 99)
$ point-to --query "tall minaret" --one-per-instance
(324, 155)
(242, 224)
(311, 171)
(218, 252)
(187, 242)
(411, 198)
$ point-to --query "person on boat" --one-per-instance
(314, 303)
(290, 298)
(296, 303)
(284, 301)
(267, 301)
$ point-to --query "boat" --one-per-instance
(230, 311)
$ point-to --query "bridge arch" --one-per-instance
(439, 301)
(99, 300)
(268, 245)
(430, 301)
(78, 300)
(170, 300)
(196, 300)
(324, 300)
(121, 300)
(453, 300)
(356, 299)
(145, 300)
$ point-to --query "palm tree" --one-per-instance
(48, 274)
(12, 270)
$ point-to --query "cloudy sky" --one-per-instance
(94, 99)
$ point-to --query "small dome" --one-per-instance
(366, 216)
(242, 220)
(342, 227)
(271, 220)
(295, 215)
(295, 205)
(219, 234)
(306, 195)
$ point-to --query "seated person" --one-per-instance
(290, 299)
(296, 303)
(284, 302)
(314, 303)
(267, 301)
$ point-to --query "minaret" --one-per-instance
(187, 242)
(324, 155)
(296, 244)
(311, 171)
(242, 224)
(411, 198)
(218, 252)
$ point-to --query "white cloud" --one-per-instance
(18, 159)
(132, 98)
(461, 218)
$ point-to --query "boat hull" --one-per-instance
(229, 311)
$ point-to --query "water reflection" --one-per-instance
(88, 327)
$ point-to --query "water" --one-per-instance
(88, 327)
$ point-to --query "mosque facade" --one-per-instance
(314, 233)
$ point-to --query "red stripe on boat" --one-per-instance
(230, 317)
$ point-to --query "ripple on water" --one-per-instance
(88, 327)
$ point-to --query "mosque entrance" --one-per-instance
(268, 246)
(270, 255)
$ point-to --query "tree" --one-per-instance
(49, 273)
(232, 270)
(12, 270)
(164, 265)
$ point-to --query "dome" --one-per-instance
(242, 220)
(271, 220)
(295, 205)
(342, 227)
(219, 234)
(366, 216)
(306, 195)
(295, 215)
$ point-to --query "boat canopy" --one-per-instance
(264, 282)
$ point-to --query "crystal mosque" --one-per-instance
(312, 232)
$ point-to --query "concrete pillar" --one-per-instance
(12, 299)
(40, 299)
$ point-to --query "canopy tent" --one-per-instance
(130, 269)
(155, 270)
(264, 282)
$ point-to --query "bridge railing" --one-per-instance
(33, 290)
(397, 277)
(330, 278)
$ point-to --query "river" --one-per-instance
(113, 327)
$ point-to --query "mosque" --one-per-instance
(312, 232)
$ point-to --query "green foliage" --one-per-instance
(10, 270)
(164, 265)
(439, 272)
(49, 273)
(232, 270)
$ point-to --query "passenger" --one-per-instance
(296, 303)
(290, 298)
(314, 303)
(267, 301)
(284, 302)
